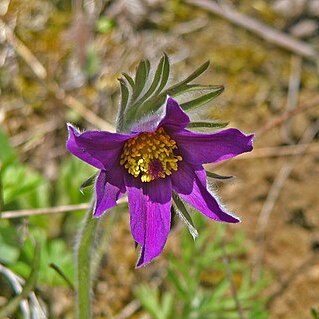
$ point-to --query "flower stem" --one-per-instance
(84, 250)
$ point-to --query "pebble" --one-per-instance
(304, 28)
(289, 8)
(313, 8)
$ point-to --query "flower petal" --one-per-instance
(187, 181)
(99, 149)
(201, 148)
(150, 215)
(175, 118)
(171, 116)
(109, 187)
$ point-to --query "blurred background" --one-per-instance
(60, 61)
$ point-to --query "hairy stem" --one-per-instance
(83, 252)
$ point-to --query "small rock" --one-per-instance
(313, 8)
(4, 4)
(304, 28)
(290, 8)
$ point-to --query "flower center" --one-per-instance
(150, 155)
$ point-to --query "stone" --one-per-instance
(290, 8)
(304, 28)
(313, 8)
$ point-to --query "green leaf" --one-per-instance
(147, 65)
(29, 285)
(201, 100)
(21, 268)
(314, 313)
(164, 74)
(8, 254)
(141, 76)
(90, 181)
(124, 94)
(129, 79)
(92, 63)
(104, 24)
(156, 101)
(1, 192)
(200, 87)
(159, 80)
(63, 276)
(156, 94)
(184, 215)
(156, 80)
(182, 86)
(18, 180)
(7, 153)
(72, 174)
(204, 124)
(216, 176)
(179, 285)
(167, 304)
(199, 71)
(149, 299)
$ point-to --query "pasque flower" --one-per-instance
(159, 157)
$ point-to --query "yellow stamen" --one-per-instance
(150, 155)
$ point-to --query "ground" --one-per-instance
(274, 194)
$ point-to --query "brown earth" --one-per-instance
(256, 76)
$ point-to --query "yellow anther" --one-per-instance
(150, 156)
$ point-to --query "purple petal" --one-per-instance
(201, 148)
(99, 149)
(201, 174)
(172, 118)
(187, 181)
(109, 187)
(175, 118)
(150, 215)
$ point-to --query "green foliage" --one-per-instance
(52, 251)
(198, 285)
(72, 174)
(92, 63)
(145, 94)
(314, 313)
(159, 307)
(217, 176)
(7, 153)
(17, 180)
(9, 250)
(104, 24)
(88, 182)
(17, 253)
(182, 212)
(29, 285)
(23, 188)
(207, 125)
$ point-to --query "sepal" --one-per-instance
(88, 182)
(207, 125)
(202, 100)
(184, 216)
(217, 176)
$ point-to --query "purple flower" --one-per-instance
(159, 157)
